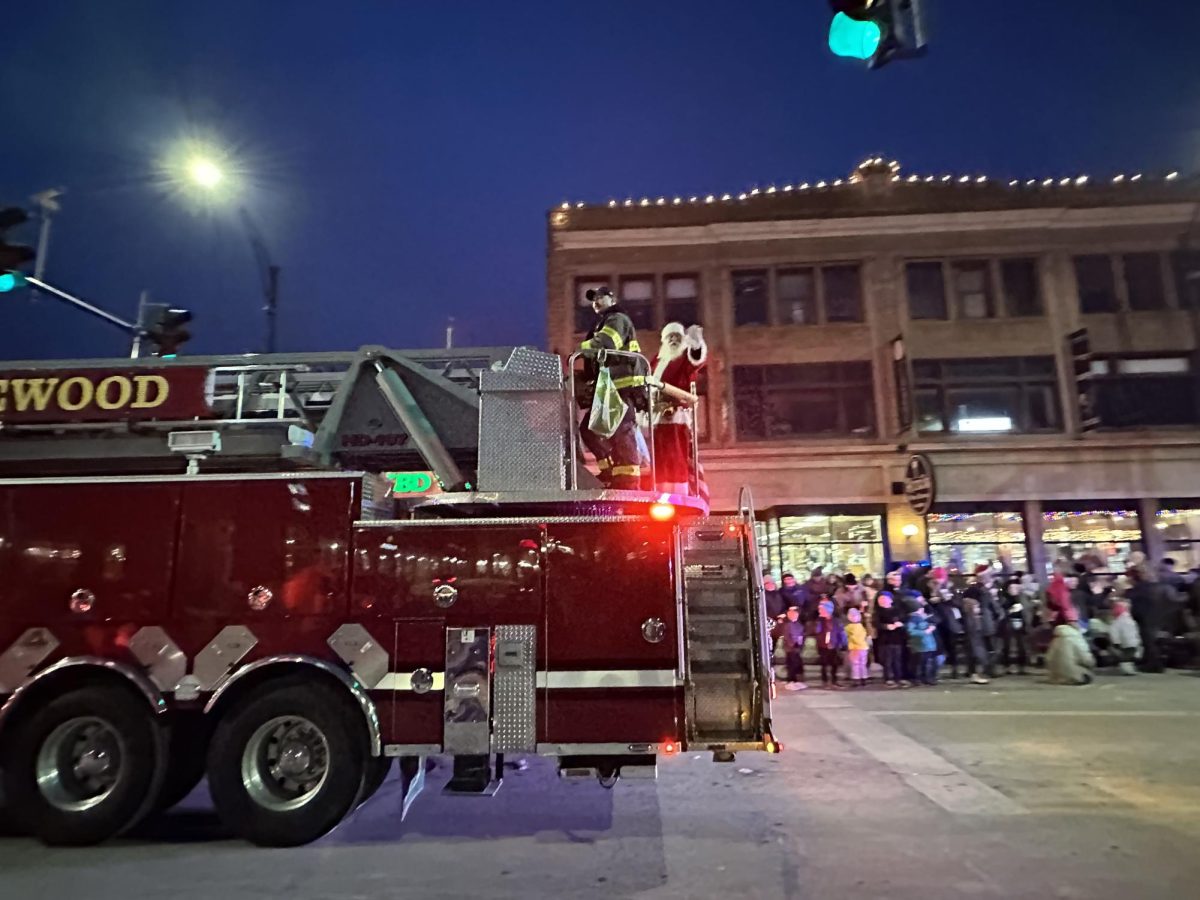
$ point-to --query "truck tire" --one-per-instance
(287, 763)
(84, 767)
(375, 775)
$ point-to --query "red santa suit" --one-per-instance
(673, 422)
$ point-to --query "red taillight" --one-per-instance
(732, 528)
(662, 511)
(670, 748)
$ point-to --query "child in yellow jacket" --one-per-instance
(858, 643)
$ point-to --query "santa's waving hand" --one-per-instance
(681, 356)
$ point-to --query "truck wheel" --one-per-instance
(287, 763)
(376, 774)
(84, 767)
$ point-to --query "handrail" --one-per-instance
(694, 449)
(573, 426)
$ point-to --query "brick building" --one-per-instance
(855, 323)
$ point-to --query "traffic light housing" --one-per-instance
(13, 256)
(165, 328)
(876, 31)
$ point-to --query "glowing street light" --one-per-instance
(204, 172)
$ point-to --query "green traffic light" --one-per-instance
(10, 281)
(852, 38)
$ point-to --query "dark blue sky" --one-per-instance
(401, 155)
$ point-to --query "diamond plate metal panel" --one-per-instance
(359, 650)
(165, 663)
(26, 654)
(522, 441)
(514, 689)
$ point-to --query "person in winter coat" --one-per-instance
(777, 605)
(890, 637)
(922, 643)
(1149, 603)
(944, 610)
(831, 641)
(794, 594)
(858, 645)
(1019, 615)
(979, 624)
(1069, 661)
(1125, 637)
(793, 645)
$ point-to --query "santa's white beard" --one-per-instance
(667, 355)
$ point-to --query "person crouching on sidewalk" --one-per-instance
(1125, 637)
(831, 641)
(858, 644)
(793, 645)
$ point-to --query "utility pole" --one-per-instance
(450, 333)
(135, 350)
(268, 272)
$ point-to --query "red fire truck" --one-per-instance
(203, 574)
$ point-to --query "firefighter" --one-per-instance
(617, 456)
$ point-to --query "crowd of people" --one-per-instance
(921, 624)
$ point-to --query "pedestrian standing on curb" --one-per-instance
(858, 645)
(977, 657)
(922, 643)
(1018, 614)
(831, 641)
(946, 614)
(981, 622)
(890, 638)
(777, 605)
(793, 645)
(1149, 601)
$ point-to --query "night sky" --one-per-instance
(400, 156)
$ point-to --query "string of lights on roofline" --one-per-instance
(866, 166)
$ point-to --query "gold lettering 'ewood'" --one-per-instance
(79, 392)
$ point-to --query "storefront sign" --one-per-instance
(920, 486)
(103, 396)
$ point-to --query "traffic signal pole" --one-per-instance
(105, 315)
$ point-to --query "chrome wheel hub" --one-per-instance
(285, 763)
(79, 763)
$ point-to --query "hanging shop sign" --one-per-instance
(920, 484)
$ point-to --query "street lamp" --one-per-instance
(203, 169)
(204, 172)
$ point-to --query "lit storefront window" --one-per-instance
(838, 544)
(1110, 534)
(962, 541)
(1180, 532)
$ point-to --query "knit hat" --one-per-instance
(854, 616)
(826, 606)
(981, 568)
(939, 573)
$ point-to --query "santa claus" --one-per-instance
(681, 355)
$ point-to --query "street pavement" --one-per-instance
(1015, 789)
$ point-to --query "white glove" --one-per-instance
(694, 336)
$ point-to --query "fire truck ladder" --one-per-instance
(729, 674)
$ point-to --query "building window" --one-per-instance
(838, 544)
(926, 290)
(1108, 534)
(584, 315)
(789, 402)
(1097, 287)
(1012, 394)
(1144, 281)
(1180, 532)
(843, 293)
(972, 289)
(682, 299)
(750, 298)
(962, 541)
(1022, 293)
(797, 297)
(637, 299)
(1133, 392)
(1186, 265)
